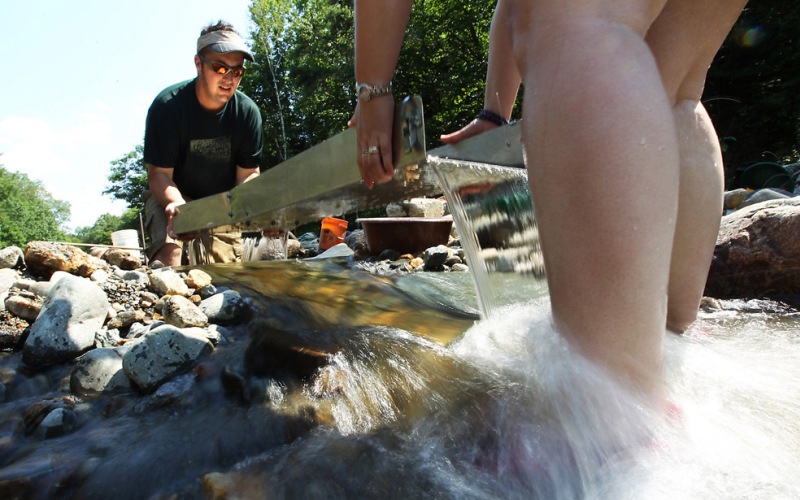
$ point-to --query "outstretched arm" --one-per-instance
(379, 28)
(502, 80)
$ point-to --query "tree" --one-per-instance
(303, 76)
(128, 178)
(753, 89)
(100, 231)
(28, 212)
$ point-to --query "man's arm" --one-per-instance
(163, 188)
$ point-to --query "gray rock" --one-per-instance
(58, 422)
(207, 291)
(7, 279)
(106, 337)
(99, 371)
(133, 277)
(460, 268)
(226, 307)
(42, 288)
(167, 282)
(164, 353)
(435, 258)
(138, 329)
(762, 195)
(181, 312)
(74, 310)
(125, 319)
(10, 257)
(99, 276)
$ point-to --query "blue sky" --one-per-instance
(78, 77)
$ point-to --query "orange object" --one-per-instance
(332, 232)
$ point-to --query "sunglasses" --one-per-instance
(223, 69)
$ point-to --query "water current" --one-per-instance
(417, 386)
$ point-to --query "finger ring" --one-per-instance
(369, 151)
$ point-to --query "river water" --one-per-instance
(351, 385)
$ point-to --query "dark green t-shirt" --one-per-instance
(203, 148)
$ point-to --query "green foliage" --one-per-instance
(753, 88)
(100, 231)
(303, 76)
(28, 212)
(128, 178)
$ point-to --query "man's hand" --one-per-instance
(170, 211)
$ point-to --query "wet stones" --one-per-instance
(163, 353)
(224, 308)
(99, 371)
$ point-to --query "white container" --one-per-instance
(126, 238)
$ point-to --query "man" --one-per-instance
(202, 137)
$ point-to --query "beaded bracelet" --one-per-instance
(491, 116)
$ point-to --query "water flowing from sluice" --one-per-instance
(350, 385)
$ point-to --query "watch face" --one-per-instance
(364, 92)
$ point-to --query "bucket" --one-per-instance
(126, 238)
(332, 232)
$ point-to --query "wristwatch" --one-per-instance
(366, 91)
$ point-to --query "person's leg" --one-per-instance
(684, 39)
(602, 158)
(162, 247)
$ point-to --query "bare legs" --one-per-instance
(684, 39)
(603, 168)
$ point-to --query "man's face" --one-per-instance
(214, 90)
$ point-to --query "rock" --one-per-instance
(11, 257)
(42, 288)
(179, 311)
(58, 422)
(764, 195)
(99, 276)
(735, 198)
(757, 252)
(435, 258)
(133, 277)
(65, 328)
(7, 279)
(197, 279)
(123, 259)
(205, 292)
(165, 281)
(24, 307)
(164, 353)
(460, 268)
(125, 319)
(45, 258)
(417, 207)
(225, 308)
(99, 371)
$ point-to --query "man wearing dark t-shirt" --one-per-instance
(202, 137)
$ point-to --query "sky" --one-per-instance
(78, 77)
